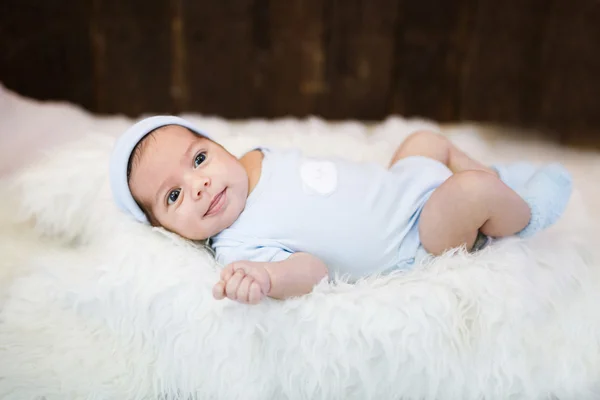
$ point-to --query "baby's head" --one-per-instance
(165, 172)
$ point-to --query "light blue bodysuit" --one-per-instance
(361, 219)
(358, 218)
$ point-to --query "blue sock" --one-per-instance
(514, 175)
(547, 192)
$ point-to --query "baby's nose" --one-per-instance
(200, 186)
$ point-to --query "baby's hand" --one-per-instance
(244, 281)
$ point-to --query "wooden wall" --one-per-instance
(529, 63)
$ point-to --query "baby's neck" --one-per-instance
(252, 163)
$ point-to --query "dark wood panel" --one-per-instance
(45, 51)
(221, 66)
(504, 71)
(569, 102)
(431, 42)
(296, 57)
(359, 53)
(132, 56)
(529, 63)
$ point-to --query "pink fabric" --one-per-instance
(29, 126)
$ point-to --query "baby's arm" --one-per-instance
(295, 276)
(249, 282)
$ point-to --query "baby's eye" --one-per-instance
(173, 196)
(200, 157)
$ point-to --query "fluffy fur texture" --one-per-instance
(104, 308)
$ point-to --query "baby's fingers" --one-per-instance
(244, 289)
(256, 294)
(258, 272)
(219, 290)
(231, 287)
(227, 272)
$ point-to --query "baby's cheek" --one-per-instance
(189, 227)
(178, 225)
(195, 228)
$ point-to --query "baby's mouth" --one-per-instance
(216, 204)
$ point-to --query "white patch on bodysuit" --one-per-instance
(319, 177)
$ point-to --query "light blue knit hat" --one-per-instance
(121, 153)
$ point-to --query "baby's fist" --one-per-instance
(244, 281)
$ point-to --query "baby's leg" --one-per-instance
(438, 147)
(468, 202)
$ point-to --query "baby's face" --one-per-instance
(189, 184)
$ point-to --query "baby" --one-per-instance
(280, 222)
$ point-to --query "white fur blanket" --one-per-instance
(93, 306)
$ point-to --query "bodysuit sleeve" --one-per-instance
(244, 252)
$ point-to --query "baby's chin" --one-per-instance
(197, 236)
(215, 224)
(196, 233)
(213, 230)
